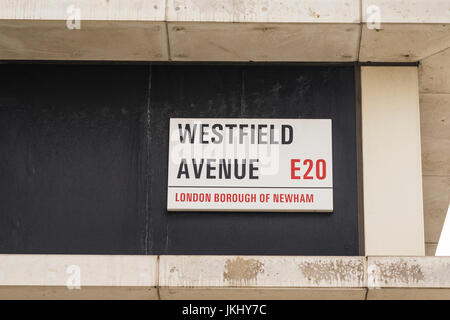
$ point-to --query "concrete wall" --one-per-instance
(435, 128)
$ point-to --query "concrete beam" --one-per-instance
(231, 30)
(408, 278)
(100, 277)
(131, 30)
(403, 42)
(261, 277)
(223, 30)
(96, 40)
(403, 30)
(223, 277)
(263, 42)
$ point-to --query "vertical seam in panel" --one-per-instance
(166, 18)
(361, 24)
(169, 54)
(366, 276)
(158, 261)
(147, 166)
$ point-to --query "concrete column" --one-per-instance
(392, 173)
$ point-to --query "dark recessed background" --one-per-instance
(83, 157)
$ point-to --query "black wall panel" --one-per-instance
(83, 158)
(72, 168)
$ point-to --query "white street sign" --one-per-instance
(250, 165)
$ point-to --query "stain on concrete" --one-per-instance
(173, 269)
(399, 272)
(313, 13)
(264, 29)
(332, 272)
(240, 270)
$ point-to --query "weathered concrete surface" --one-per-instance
(435, 137)
(407, 30)
(115, 10)
(263, 42)
(109, 30)
(96, 40)
(224, 277)
(217, 277)
(224, 30)
(408, 278)
(266, 11)
(101, 277)
(430, 248)
(238, 293)
(435, 131)
(408, 294)
(407, 11)
(403, 42)
(85, 293)
(434, 86)
(262, 271)
(436, 198)
(434, 73)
